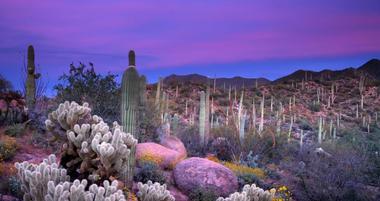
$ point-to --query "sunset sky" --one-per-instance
(247, 38)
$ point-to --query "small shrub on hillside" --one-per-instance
(305, 125)
(315, 107)
(200, 194)
(15, 130)
(150, 171)
(8, 148)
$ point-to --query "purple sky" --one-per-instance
(223, 38)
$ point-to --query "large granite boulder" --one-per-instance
(175, 144)
(166, 155)
(204, 174)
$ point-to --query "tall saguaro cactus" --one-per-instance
(132, 102)
(202, 117)
(31, 79)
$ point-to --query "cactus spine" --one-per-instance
(31, 79)
(132, 100)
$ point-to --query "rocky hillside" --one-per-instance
(371, 68)
(220, 82)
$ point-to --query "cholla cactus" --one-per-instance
(76, 192)
(153, 192)
(251, 193)
(34, 178)
(68, 114)
(92, 146)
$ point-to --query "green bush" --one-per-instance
(150, 171)
(83, 84)
(15, 130)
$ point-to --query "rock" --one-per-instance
(152, 152)
(201, 173)
(177, 194)
(8, 198)
(175, 144)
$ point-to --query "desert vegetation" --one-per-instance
(307, 137)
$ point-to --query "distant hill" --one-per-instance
(371, 68)
(201, 79)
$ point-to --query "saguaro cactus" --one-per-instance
(31, 79)
(132, 100)
(202, 117)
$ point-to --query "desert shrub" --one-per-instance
(222, 149)
(149, 122)
(15, 130)
(270, 153)
(305, 125)
(244, 179)
(12, 108)
(8, 148)
(149, 157)
(149, 171)
(283, 194)
(315, 107)
(244, 170)
(83, 84)
(335, 177)
(190, 138)
(5, 85)
(200, 194)
(250, 160)
(229, 147)
(14, 187)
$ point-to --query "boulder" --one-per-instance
(175, 144)
(152, 152)
(201, 173)
(178, 195)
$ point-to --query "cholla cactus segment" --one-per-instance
(34, 178)
(67, 115)
(251, 193)
(76, 192)
(153, 192)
